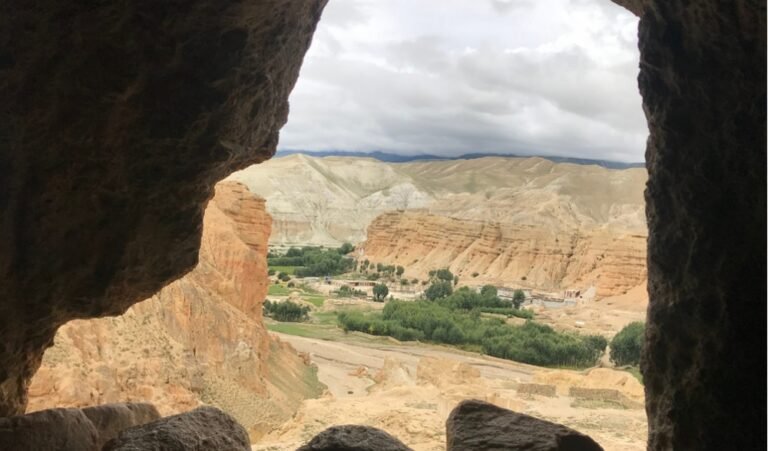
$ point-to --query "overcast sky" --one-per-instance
(546, 77)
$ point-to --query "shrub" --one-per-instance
(438, 290)
(380, 291)
(627, 345)
(475, 274)
(443, 274)
(518, 298)
(291, 284)
(400, 270)
(404, 282)
(489, 290)
(346, 248)
(373, 276)
(346, 291)
(284, 277)
(286, 311)
(271, 272)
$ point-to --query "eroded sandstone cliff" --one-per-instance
(200, 339)
(545, 258)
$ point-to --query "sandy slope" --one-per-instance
(409, 389)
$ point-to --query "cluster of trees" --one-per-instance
(529, 343)
(444, 275)
(376, 271)
(316, 261)
(345, 291)
(627, 344)
(286, 311)
(487, 300)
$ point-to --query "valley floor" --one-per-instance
(408, 389)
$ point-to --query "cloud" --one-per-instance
(449, 77)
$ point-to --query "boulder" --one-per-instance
(50, 430)
(111, 419)
(354, 438)
(476, 425)
(203, 429)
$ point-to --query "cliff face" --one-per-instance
(544, 258)
(200, 339)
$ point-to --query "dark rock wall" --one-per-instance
(703, 82)
(116, 120)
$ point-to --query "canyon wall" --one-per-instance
(199, 340)
(523, 255)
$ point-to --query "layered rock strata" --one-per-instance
(200, 339)
(610, 260)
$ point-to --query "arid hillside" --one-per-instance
(199, 340)
(525, 222)
(334, 199)
(612, 261)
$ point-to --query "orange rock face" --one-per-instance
(544, 258)
(199, 340)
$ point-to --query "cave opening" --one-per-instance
(109, 156)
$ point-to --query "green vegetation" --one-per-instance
(284, 277)
(439, 289)
(380, 292)
(290, 270)
(315, 300)
(532, 343)
(278, 290)
(627, 344)
(315, 261)
(286, 311)
(518, 298)
(345, 291)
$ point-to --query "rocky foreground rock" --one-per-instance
(69, 429)
(477, 425)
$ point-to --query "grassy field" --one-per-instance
(290, 270)
(316, 300)
(278, 290)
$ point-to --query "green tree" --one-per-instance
(439, 290)
(455, 280)
(271, 272)
(346, 248)
(400, 270)
(518, 298)
(627, 345)
(444, 274)
(380, 292)
(284, 277)
(489, 291)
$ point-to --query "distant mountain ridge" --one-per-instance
(396, 158)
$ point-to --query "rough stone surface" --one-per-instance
(54, 429)
(477, 425)
(110, 419)
(702, 78)
(354, 438)
(203, 429)
(117, 119)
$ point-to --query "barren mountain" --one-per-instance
(527, 222)
(199, 340)
(334, 199)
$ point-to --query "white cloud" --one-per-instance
(449, 77)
